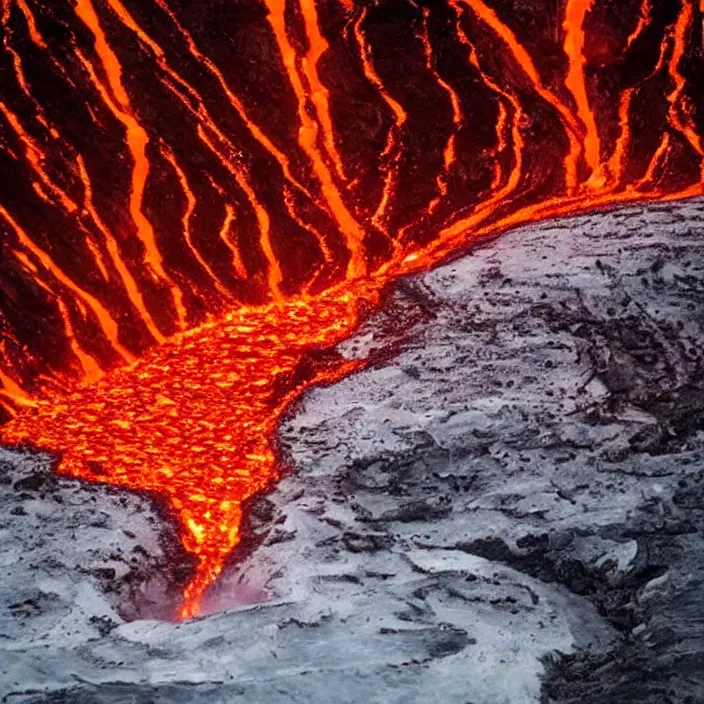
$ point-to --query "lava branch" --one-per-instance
(449, 153)
(575, 13)
(308, 132)
(680, 113)
(186, 220)
(137, 139)
(102, 314)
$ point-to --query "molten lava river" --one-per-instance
(199, 200)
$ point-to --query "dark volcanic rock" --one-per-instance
(505, 507)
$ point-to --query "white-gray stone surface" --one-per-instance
(504, 507)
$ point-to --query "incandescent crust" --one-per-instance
(506, 506)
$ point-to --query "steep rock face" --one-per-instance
(506, 505)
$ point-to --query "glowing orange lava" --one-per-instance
(188, 232)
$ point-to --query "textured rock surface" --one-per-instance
(506, 506)
(71, 554)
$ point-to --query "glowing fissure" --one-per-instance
(392, 151)
(526, 64)
(198, 284)
(457, 116)
(575, 13)
(308, 133)
(136, 138)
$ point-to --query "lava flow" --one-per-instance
(200, 199)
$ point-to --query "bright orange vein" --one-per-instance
(137, 140)
(102, 314)
(575, 13)
(308, 133)
(524, 60)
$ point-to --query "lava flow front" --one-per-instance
(197, 196)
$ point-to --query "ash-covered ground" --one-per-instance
(505, 507)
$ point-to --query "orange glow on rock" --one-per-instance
(575, 13)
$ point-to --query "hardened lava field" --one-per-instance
(197, 196)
